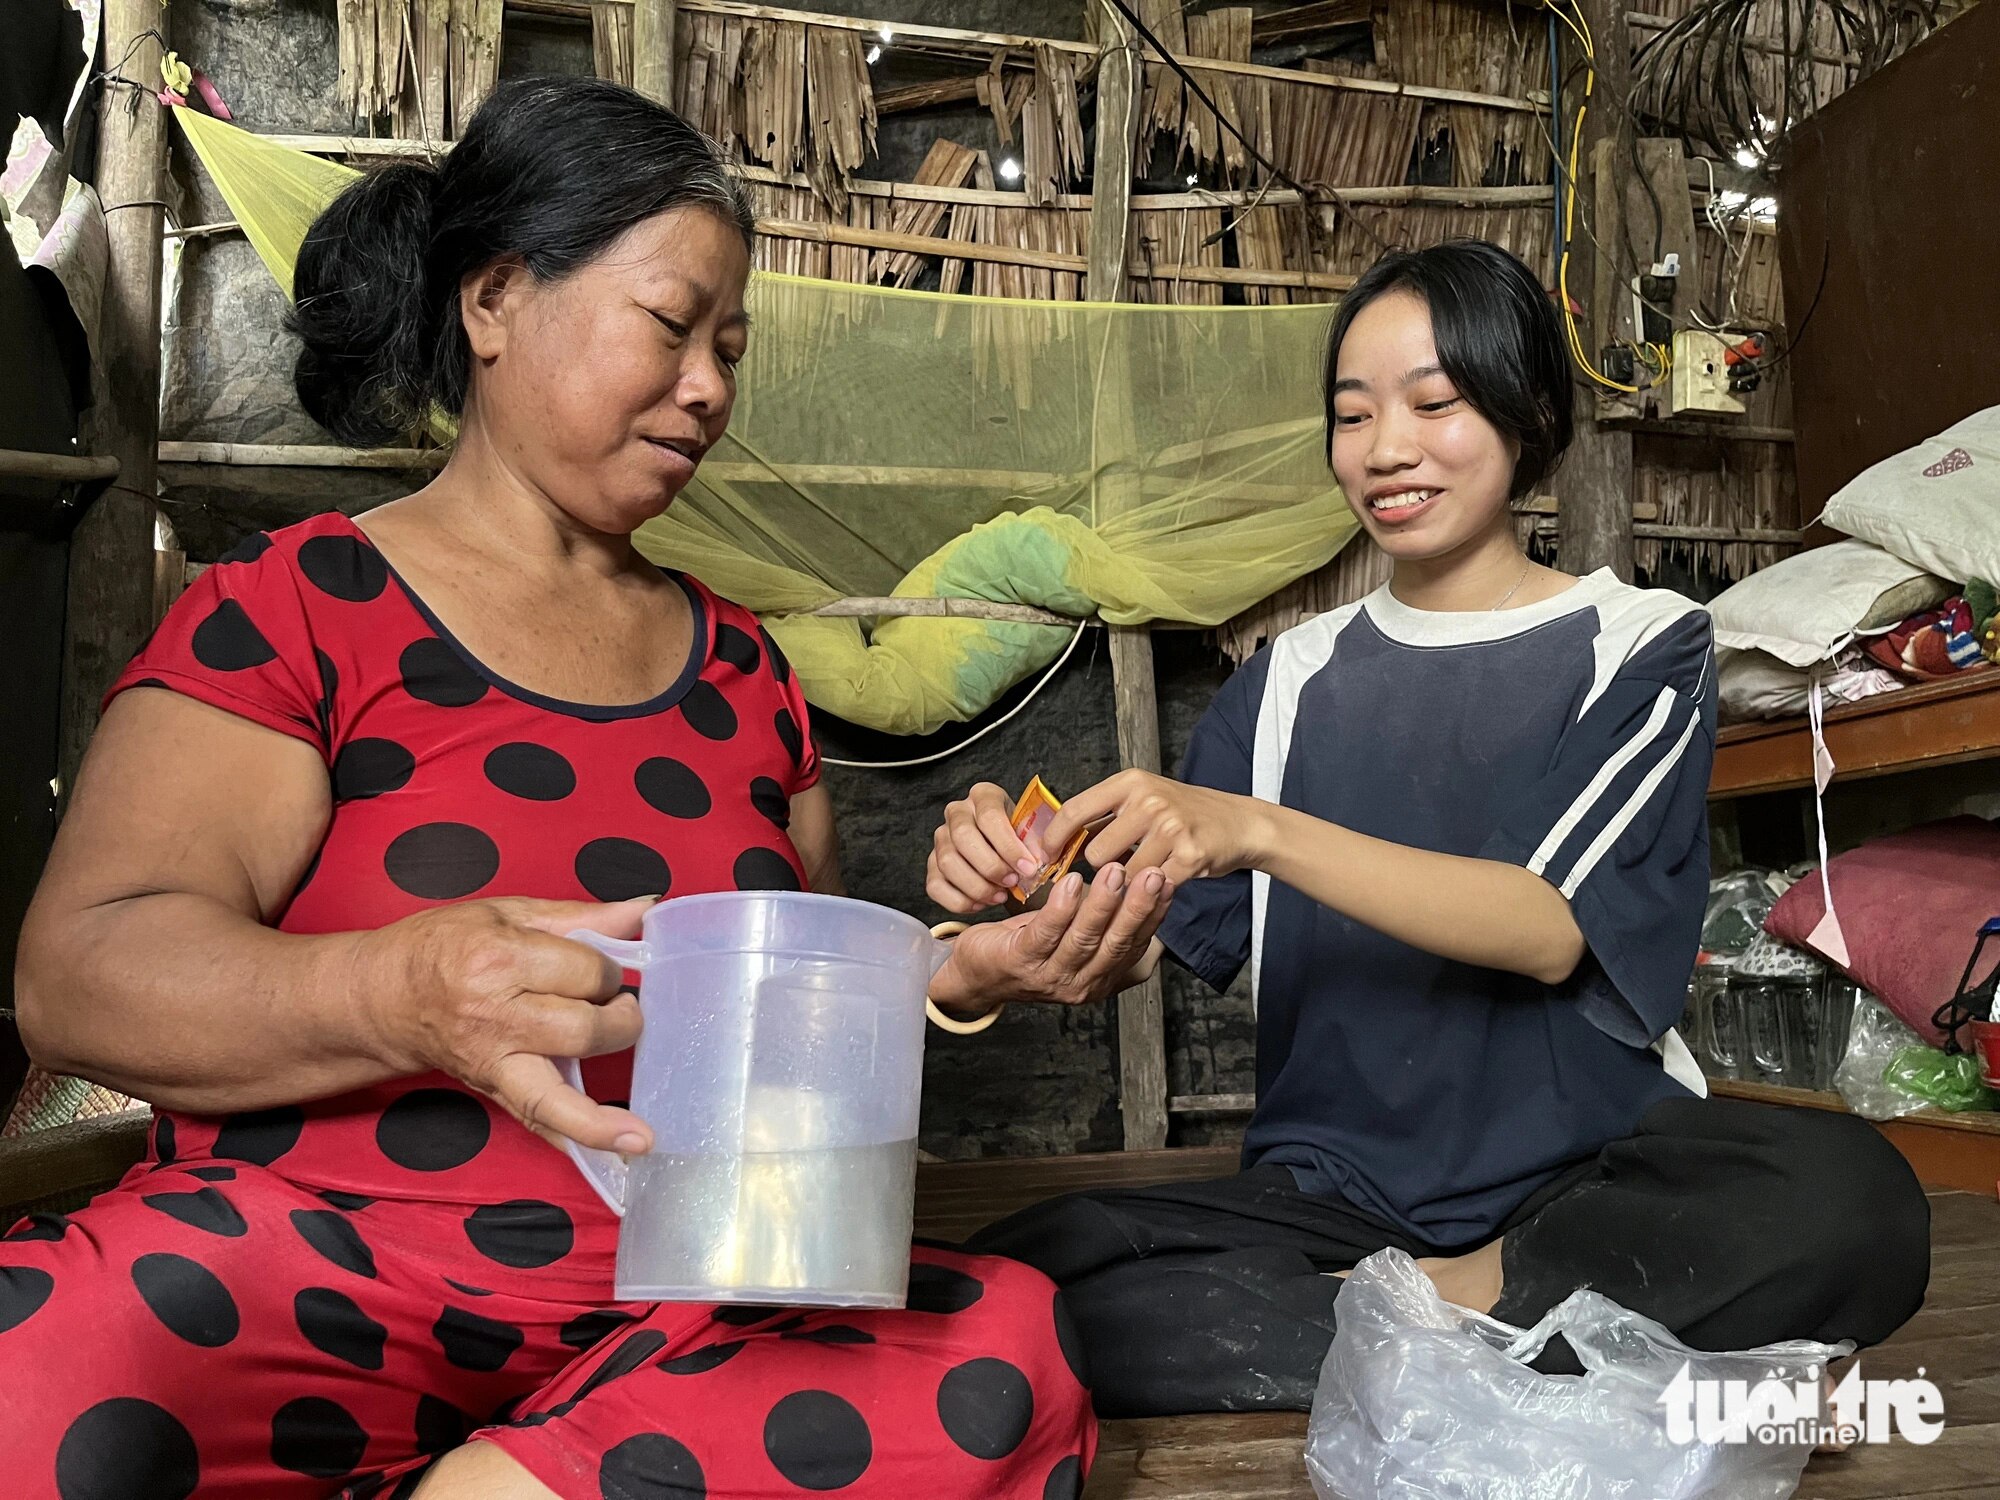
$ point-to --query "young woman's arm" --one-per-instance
(1476, 911)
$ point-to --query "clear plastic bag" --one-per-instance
(1872, 1045)
(1420, 1400)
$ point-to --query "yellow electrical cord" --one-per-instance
(1580, 28)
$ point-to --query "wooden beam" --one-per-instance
(653, 50)
(950, 609)
(110, 604)
(64, 467)
(1142, 1050)
(1308, 20)
(1015, 255)
(927, 95)
(1596, 530)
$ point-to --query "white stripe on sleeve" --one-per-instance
(1656, 723)
(1641, 794)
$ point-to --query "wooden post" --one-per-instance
(110, 604)
(653, 49)
(1596, 487)
(1142, 1051)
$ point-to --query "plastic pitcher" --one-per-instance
(780, 1070)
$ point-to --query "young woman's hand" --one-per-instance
(1189, 832)
(490, 991)
(976, 858)
(1083, 946)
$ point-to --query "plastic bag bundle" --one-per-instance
(1420, 1400)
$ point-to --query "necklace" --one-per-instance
(1526, 565)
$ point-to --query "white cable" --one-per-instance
(971, 739)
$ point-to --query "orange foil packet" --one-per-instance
(1032, 815)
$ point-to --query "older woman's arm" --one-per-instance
(818, 843)
(146, 961)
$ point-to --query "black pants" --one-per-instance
(1733, 1224)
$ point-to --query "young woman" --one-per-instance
(1458, 833)
(310, 895)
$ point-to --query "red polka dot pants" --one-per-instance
(218, 1331)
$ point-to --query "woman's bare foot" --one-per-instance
(1471, 1281)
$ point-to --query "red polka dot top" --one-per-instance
(449, 782)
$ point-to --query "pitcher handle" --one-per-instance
(603, 1170)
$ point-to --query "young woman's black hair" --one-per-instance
(1498, 336)
(551, 170)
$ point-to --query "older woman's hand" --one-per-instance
(490, 991)
(1084, 945)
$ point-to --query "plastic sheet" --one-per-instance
(1420, 1400)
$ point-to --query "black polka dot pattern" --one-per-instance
(522, 1233)
(441, 861)
(335, 1238)
(437, 675)
(788, 734)
(472, 1342)
(260, 1137)
(586, 1330)
(317, 1437)
(618, 869)
(329, 683)
(748, 1315)
(334, 1324)
(470, 1291)
(347, 1202)
(127, 1449)
(23, 1290)
(1065, 1481)
(371, 768)
(832, 1333)
(213, 1174)
(532, 772)
(818, 1441)
(248, 550)
(735, 647)
(701, 1361)
(227, 642)
(188, 1299)
(39, 1227)
(764, 870)
(986, 1406)
(620, 1362)
(440, 1426)
(343, 566)
(433, 1130)
(940, 1289)
(163, 1139)
(205, 1209)
(672, 787)
(780, 667)
(650, 1466)
(708, 713)
(769, 799)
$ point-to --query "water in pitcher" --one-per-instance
(772, 1226)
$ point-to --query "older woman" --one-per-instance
(310, 899)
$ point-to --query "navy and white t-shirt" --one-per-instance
(1572, 737)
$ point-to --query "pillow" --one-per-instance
(1911, 906)
(1936, 505)
(1805, 608)
(1756, 685)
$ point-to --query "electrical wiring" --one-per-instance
(1580, 28)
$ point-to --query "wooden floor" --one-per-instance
(1955, 1339)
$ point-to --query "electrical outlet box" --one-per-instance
(1701, 374)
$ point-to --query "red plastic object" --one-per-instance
(1986, 1041)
